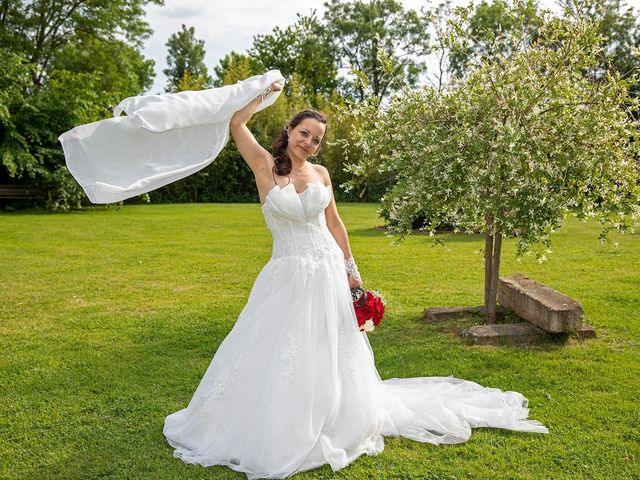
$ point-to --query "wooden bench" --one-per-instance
(20, 192)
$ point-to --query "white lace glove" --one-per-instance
(352, 269)
(264, 94)
(274, 87)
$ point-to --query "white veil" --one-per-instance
(161, 139)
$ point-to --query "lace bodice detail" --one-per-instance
(297, 221)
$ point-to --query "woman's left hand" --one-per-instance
(353, 282)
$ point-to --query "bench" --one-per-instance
(20, 192)
(544, 307)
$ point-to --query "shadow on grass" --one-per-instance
(37, 211)
(454, 327)
(447, 237)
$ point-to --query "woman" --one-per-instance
(294, 386)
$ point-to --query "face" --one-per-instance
(305, 138)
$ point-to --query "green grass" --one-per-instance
(109, 319)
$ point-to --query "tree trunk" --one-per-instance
(490, 304)
(488, 256)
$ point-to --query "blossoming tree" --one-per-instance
(510, 149)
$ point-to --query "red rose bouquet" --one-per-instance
(369, 307)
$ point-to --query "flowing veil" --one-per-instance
(160, 139)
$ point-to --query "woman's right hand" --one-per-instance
(274, 87)
(277, 86)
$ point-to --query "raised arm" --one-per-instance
(253, 153)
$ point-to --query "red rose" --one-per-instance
(369, 304)
(378, 311)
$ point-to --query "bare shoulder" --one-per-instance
(323, 172)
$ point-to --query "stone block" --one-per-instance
(586, 331)
(505, 333)
(542, 306)
(442, 314)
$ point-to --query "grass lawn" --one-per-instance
(108, 320)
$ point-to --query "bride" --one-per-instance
(294, 385)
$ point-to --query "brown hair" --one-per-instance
(282, 161)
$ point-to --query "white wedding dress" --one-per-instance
(294, 386)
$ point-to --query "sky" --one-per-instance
(231, 25)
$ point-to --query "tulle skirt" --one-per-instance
(294, 386)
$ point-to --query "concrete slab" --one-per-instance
(442, 314)
(542, 306)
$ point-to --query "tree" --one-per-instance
(620, 27)
(63, 63)
(236, 66)
(512, 148)
(304, 49)
(361, 29)
(15, 78)
(118, 69)
(488, 33)
(40, 28)
(488, 29)
(185, 57)
(191, 82)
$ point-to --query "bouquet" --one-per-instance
(369, 307)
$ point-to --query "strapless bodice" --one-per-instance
(297, 222)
